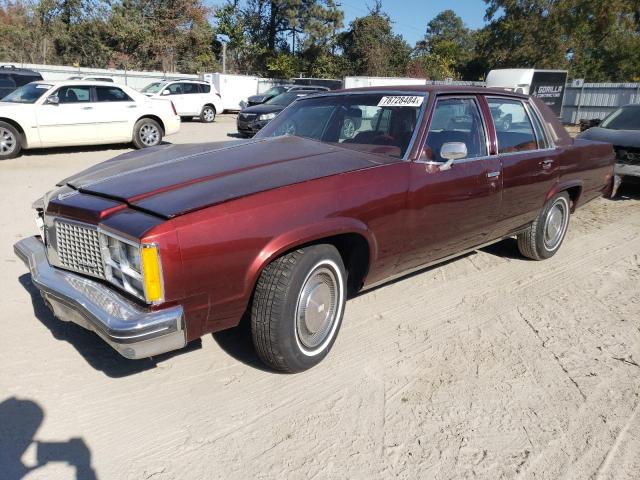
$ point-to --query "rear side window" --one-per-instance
(205, 88)
(111, 94)
(513, 128)
(456, 120)
(6, 82)
(188, 88)
(537, 126)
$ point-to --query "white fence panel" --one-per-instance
(134, 79)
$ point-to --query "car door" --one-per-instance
(70, 119)
(176, 96)
(116, 112)
(193, 98)
(452, 208)
(529, 163)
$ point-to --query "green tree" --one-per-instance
(447, 48)
(371, 48)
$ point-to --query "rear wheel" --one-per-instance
(10, 141)
(208, 114)
(297, 308)
(543, 237)
(147, 133)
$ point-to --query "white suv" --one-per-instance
(191, 98)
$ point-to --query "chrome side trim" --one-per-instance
(134, 331)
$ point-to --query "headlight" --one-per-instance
(133, 267)
(267, 116)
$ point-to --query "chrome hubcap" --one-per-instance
(317, 308)
(7, 142)
(149, 134)
(555, 225)
(209, 115)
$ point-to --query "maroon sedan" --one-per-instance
(158, 247)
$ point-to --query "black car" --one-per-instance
(252, 119)
(279, 89)
(622, 129)
(11, 78)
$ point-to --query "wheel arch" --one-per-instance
(156, 118)
(573, 188)
(18, 127)
(353, 240)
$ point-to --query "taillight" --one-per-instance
(175, 112)
(218, 95)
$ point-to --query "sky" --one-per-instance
(410, 17)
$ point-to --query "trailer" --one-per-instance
(548, 85)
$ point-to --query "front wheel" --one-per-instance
(297, 308)
(542, 239)
(10, 145)
(208, 114)
(147, 133)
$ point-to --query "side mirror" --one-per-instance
(452, 151)
(166, 92)
(53, 100)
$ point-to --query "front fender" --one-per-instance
(305, 235)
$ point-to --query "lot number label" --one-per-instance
(401, 101)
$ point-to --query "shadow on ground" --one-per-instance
(238, 344)
(20, 420)
(94, 350)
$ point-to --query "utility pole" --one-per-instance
(224, 39)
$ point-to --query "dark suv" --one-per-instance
(12, 78)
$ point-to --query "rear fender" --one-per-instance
(564, 186)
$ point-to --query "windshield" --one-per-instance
(153, 87)
(373, 122)
(28, 93)
(273, 91)
(625, 118)
(284, 99)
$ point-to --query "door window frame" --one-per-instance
(530, 110)
(476, 100)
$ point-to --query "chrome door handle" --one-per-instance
(493, 174)
(132, 106)
(87, 108)
(546, 163)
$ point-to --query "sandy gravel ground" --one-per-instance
(490, 367)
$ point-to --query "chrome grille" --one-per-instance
(78, 248)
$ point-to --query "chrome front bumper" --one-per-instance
(134, 331)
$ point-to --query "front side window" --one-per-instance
(30, 93)
(74, 94)
(175, 89)
(376, 123)
(513, 128)
(111, 94)
(456, 120)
